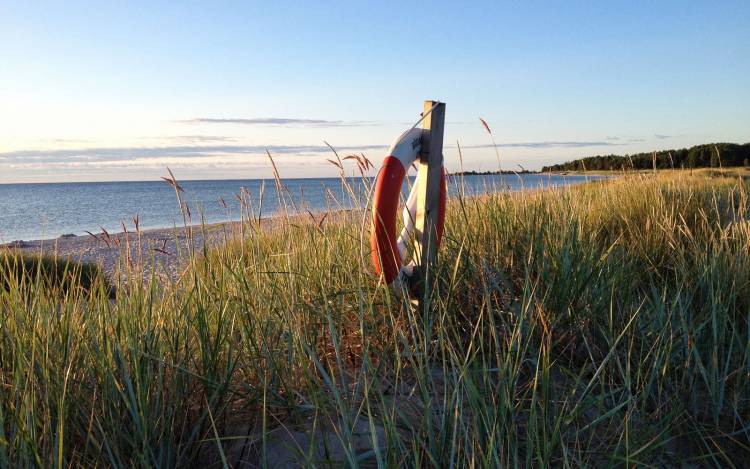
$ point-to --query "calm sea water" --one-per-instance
(41, 211)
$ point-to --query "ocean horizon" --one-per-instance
(48, 210)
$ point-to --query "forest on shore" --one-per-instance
(700, 156)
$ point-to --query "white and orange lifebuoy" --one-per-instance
(388, 251)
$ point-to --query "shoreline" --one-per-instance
(163, 251)
(71, 217)
(159, 251)
(27, 243)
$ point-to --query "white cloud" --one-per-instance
(276, 121)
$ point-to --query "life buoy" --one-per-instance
(388, 251)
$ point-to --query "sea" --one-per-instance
(50, 210)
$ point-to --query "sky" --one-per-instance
(94, 91)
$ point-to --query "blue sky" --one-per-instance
(107, 91)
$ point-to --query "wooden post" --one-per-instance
(429, 178)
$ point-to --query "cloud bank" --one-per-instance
(114, 154)
(548, 144)
(276, 121)
(125, 154)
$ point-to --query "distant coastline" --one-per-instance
(493, 173)
(709, 155)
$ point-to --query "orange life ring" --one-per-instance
(388, 251)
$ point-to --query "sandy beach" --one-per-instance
(162, 251)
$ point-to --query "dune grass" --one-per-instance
(603, 324)
(32, 274)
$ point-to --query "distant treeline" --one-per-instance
(699, 156)
(490, 173)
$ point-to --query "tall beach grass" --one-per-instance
(603, 324)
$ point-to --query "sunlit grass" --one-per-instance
(603, 324)
(32, 274)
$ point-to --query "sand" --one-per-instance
(162, 251)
